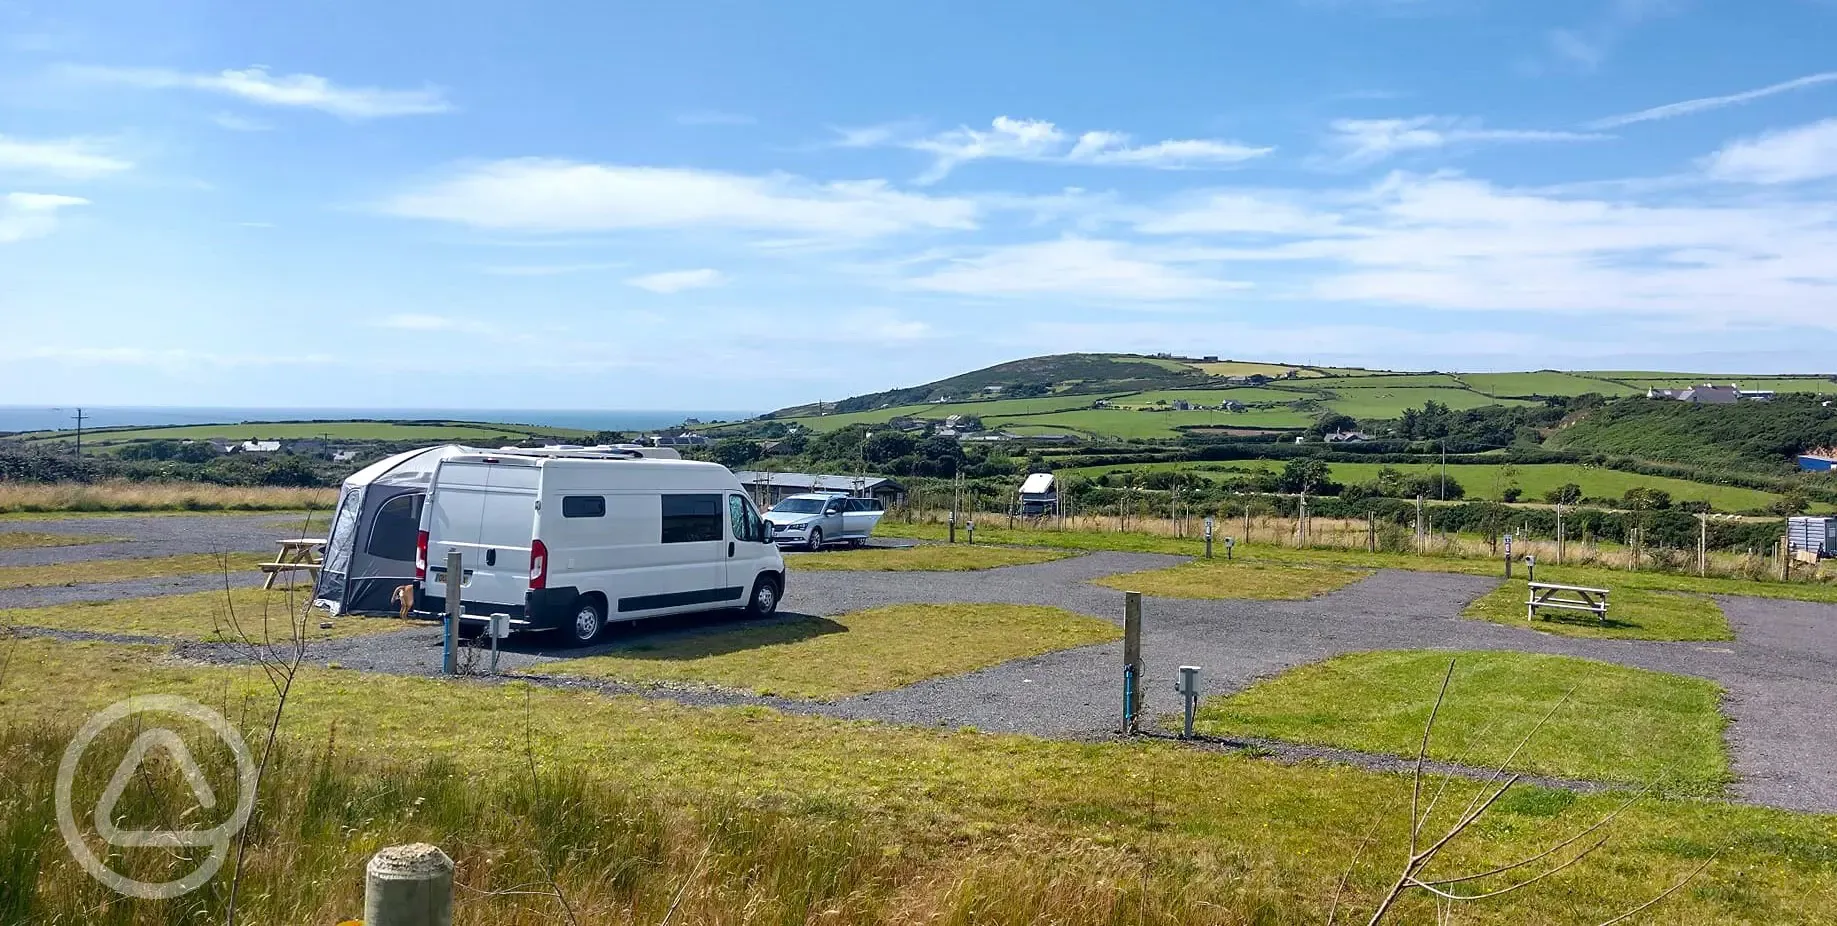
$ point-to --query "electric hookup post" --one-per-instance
(1132, 661)
(1209, 525)
(972, 529)
(1530, 568)
(953, 527)
(1229, 543)
(450, 651)
(1188, 687)
(1508, 556)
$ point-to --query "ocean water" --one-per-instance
(43, 418)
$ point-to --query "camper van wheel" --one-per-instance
(764, 601)
(589, 618)
(816, 539)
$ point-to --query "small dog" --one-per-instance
(404, 597)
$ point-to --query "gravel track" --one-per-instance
(1780, 673)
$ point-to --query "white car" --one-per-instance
(812, 520)
(570, 543)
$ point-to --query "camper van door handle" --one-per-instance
(491, 557)
(730, 548)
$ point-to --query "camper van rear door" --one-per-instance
(506, 530)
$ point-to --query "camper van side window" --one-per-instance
(583, 506)
(692, 518)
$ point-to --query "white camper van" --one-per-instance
(568, 543)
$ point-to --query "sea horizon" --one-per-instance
(15, 418)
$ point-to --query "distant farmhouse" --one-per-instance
(1711, 394)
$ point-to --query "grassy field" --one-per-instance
(1218, 578)
(58, 497)
(928, 557)
(1391, 381)
(1620, 725)
(1544, 382)
(1813, 384)
(210, 616)
(1484, 480)
(1249, 395)
(26, 540)
(757, 816)
(1265, 553)
(1130, 424)
(1391, 402)
(833, 657)
(334, 430)
(117, 570)
(1632, 614)
(1253, 368)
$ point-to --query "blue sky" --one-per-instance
(573, 205)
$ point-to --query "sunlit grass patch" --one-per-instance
(1633, 613)
(832, 657)
(1218, 578)
(237, 615)
(121, 570)
(929, 557)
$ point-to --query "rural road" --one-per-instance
(1780, 671)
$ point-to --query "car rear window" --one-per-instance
(583, 506)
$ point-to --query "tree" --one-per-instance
(885, 446)
(734, 452)
(1566, 494)
(1646, 498)
(1332, 423)
(1307, 475)
(1789, 505)
(1511, 495)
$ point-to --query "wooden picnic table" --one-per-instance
(1580, 598)
(299, 554)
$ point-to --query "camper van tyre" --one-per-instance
(764, 600)
(588, 619)
(816, 539)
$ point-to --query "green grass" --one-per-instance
(1619, 724)
(814, 819)
(1133, 424)
(928, 557)
(1391, 402)
(825, 658)
(335, 430)
(118, 570)
(1632, 613)
(25, 540)
(199, 616)
(1814, 384)
(1135, 542)
(1391, 381)
(1219, 578)
(1249, 395)
(1252, 368)
(1544, 382)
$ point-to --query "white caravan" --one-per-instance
(568, 543)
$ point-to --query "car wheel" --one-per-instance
(764, 600)
(587, 618)
(816, 540)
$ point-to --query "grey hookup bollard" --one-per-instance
(409, 885)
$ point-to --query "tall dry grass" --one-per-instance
(158, 496)
(618, 855)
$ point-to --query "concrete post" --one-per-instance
(454, 579)
(1132, 661)
(409, 886)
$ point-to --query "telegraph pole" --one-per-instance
(79, 416)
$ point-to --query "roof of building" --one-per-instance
(814, 481)
(1037, 484)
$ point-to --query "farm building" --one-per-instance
(1817, 463)
(1706, 394)
(768, 488)
(1038, 494)
(259, 446)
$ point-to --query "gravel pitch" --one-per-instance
(163, 535)
(1780, 672)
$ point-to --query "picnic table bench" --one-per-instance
(1566, 598)
(302, 554)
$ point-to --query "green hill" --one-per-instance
(1745, 435)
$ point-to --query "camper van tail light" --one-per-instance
(538, 565)
(420, 555)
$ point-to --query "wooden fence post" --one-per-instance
(409, 885)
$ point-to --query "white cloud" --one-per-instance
(1095, 268)
(1368, 141)
(1808, 152)
(430, 323)
(1114, 148)
(75, 158)
(1586, 47)
(676, 281)
(1036, 140)
(714, 117)
(32, 215)
(538, 195)
(234, 123)
(256, 85)
(1704, 104)
(1249, 212)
